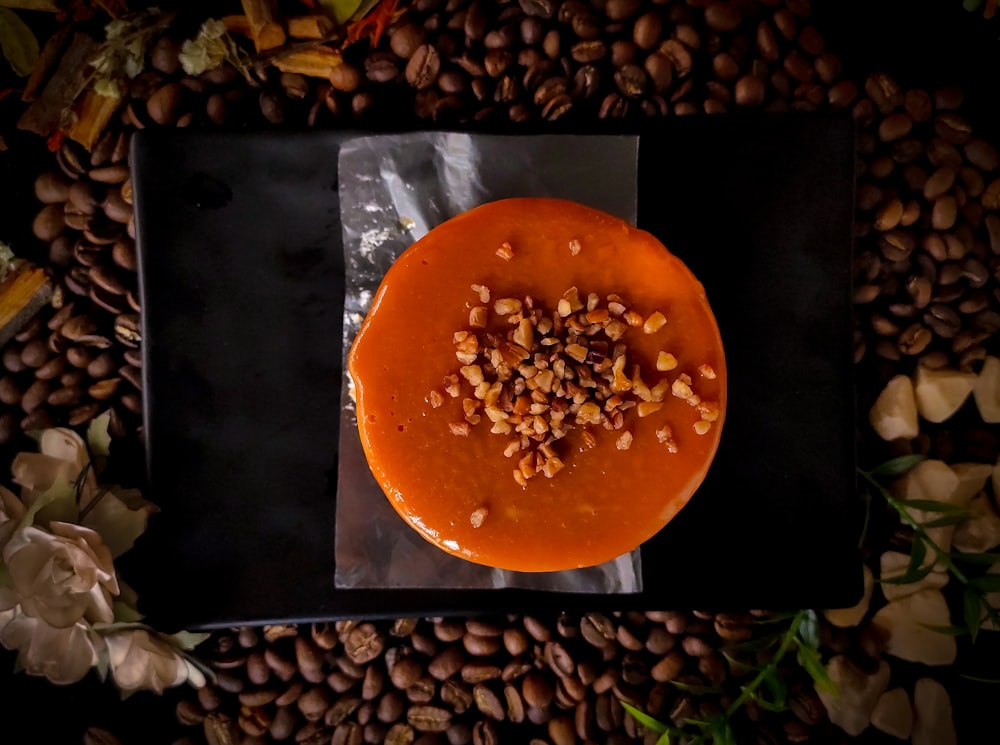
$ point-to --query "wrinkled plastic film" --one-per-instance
(393, 190)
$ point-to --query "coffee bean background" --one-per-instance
(927, 292)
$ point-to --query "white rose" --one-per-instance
(11, 512)
(63, 655)
(140, 660)
(61, 577)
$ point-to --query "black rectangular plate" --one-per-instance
(242, 331)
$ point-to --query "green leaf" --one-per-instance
(933, 505)
(914, 571)
(644, 719)
(98, 439)
(124, 613)
(976, 679)
(986, 583)
(18, 43)
(699, 690)
(810, 660)
(664, 739)
(868, 517)
(341, 10)
(988, 559)
(947, 630)
(188, 640)
(722, 732)
(972, 612)
(897, 466)
(947, 520)
(809, 629)
(364, 9)
(777, 688)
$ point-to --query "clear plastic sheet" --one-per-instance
(393, 189)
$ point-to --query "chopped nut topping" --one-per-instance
(706, 371)
(536, 375)
(666, 437)
(709, 411)
(506, 306)
(478, 517)
(435, 399)
(483, 291)
(477, 317)
(505, 252)
(665, 361)
(574, 247)
(702, 427)
(681, 389)
(654, 323)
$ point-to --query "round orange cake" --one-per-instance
(540, 386)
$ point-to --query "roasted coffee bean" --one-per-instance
(484, 732)
(476, 672)
(631, 80)
(481, 646)
(660, 71)
(586, 52)
(536, 690)
(620, 10)
(52, 187)
(36, 395)
(405, 673)
(562, 731)
(429, 718)
(164, 104)
(496, 62)
(127, 330)
(679, 56)
(345, 77)
(749, 91)
(538, 8)
(952, 128)
(49, 222)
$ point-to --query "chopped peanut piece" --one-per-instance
(483, 291)
(564, 308)
(666, 437)
(574, 247)
(665, 361)
(512, 447)
(632, 318)
(646, 408)
(478, 517)
(615, 330)
(505, 252)
(577, 352)
(435, 399)
(472, 373)
(706, 371)
(506, 306)
(709, 411)
(525, 334)
(597, 316)
(659, 391)
(452, 387)
(702, 427)
(625, 441)
(654, 323)
(681, 389)
(573, 296)
(460, 428)
(477, 317)
(519, 478)
(615, 308)
(552, 467)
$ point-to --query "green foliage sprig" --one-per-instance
(768, 689)
(976, 607)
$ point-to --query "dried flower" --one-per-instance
(63, 655)
(140, 660)
(62, 577)
(207, 50)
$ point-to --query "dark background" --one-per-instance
(928, 43)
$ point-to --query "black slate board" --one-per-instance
(242, 307)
